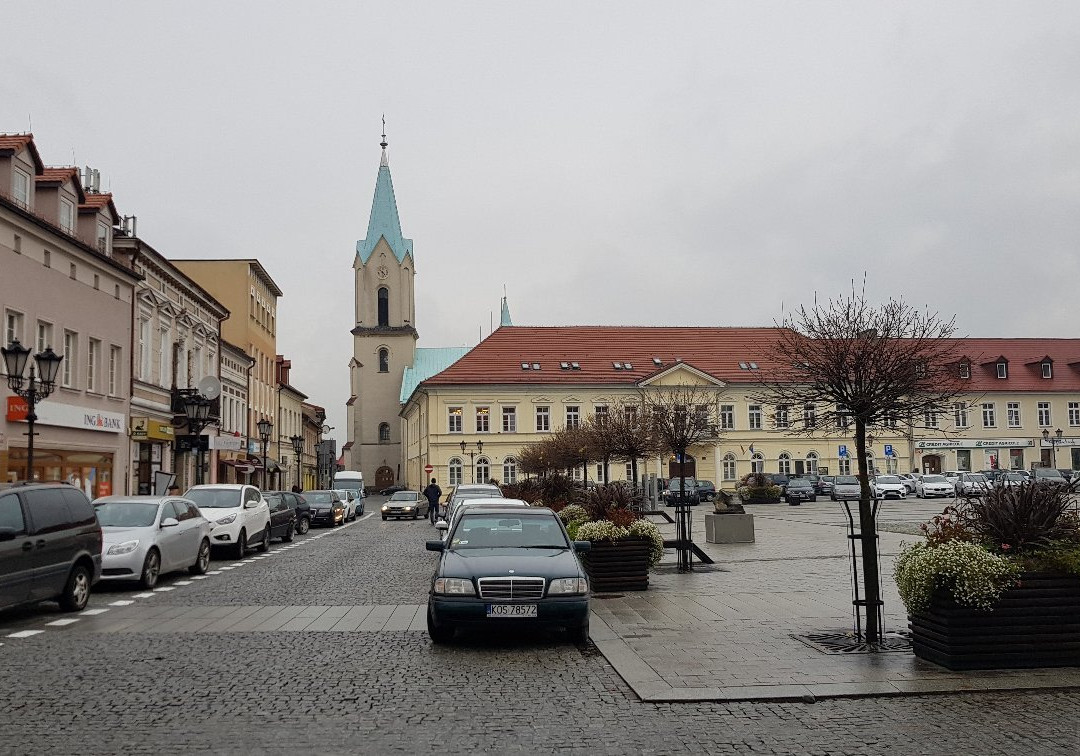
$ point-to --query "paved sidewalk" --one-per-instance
(724, 632)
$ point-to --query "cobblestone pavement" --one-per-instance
(116, 682)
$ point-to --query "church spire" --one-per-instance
(504, 319)
(383, 223)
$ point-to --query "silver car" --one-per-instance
(930, 486)
(144, 537)
(846, 488)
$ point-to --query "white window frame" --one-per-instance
(509, 419)
(809, 416)
(93, 365)
(1074, 413)
(543, 419)
(783, 463)
(811, 463)
(13, 326)
(757, 462)
(930, 419)
(145, 349)
(455, 471)
(165, 356)
(483, 419)
(1002, 370)
(960, 414)
(510, 469)
(1047, 370)
(482, 463)
(20, 188)
(116, 354)
(573, 415)
(728, 467)
(753, 416)
(1012, 409)
(454, 417)
(843, 466)
(71, 356)
(1044, 414)
(783, 416)
(727, 417)
(67, 215)
(989, 415)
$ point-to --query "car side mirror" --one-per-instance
(251, 504)
(435, 546)
(442, 525)
(170, 522)
(582, 545)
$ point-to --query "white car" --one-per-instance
(144, 537)
(239, 513)
(929, 486)
(909, 481)
(353, 505)
(889, 487)
(444, 526)
(971, 484)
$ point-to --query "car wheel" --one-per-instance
(579, 634)
(240, 547)
(416, 515)
(287, 535)
(303, 525)
(264, 544)
(151, 568)
(77, 590)
(439, 633)
(384, 518)
(202, 561)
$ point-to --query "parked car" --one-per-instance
(706, 490)
(1048, 476)
(675, 495)
(888, 487)
(909, 481)
(239, 514)
(972, 484)
(282, 514)
(825, 485)
(799, 490)
(145, 537)
(778, 479)
(512, 567)
(1010, 479)
(444, 526)
(351, 502)
(467, 492)
(846, 488)
(951, 476)
(406, 504)
(50, 545)
(297, 504)
(326, 507)
(1068, 475)
(930, 486)
(390, 490)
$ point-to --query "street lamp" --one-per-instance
(265, 428)
(39, 386)
(298, 447)
(197, 409)
(472, 455)
(1054, 441)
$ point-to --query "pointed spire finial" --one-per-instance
(383, 143)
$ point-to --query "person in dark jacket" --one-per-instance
(433, 494)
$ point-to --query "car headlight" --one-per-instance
(226, 520)
(123, 548)
(385, 507)
(564, 586)
(454, 587)
(408, 509)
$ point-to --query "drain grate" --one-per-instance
(848, 643)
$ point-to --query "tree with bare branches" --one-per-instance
(620, 434)
(879, 367)
(680, 417)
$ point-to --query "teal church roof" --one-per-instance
(504, 319)
(384, 221)
(427, 363)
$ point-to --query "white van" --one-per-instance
(350, 480)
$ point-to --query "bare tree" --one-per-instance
(629, 435)
(848, 362)
(680, 417)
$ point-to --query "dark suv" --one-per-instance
(50, 545)
(675, 495)
(286, 513)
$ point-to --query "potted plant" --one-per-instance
(624, 546)
(996, 582)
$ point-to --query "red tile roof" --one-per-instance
(716, 351)
(58, 175)
(12, 143)
(97, 201)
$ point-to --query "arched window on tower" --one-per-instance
(384, 306)
(384, 433)
(384, 360)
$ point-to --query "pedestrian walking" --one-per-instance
(433, 494)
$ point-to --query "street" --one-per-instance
(253, 659)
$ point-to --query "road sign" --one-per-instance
(843, 450)
(888, 450)
(429, 469)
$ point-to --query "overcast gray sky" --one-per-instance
(608, 163)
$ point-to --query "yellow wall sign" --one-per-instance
(145, 429)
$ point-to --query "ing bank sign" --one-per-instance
(67, 416)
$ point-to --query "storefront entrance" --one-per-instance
(931, 464)
(91, 472)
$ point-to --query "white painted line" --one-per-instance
(214, 572)
(147, 594)
(92, 612)
(25, 633)
(122, 603)
(61, 623)
(182, 582)
(200, 577)
(163, 590)
(224, 569)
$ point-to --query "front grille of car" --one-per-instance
(512, 587)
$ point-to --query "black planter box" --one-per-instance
(618, 565)
(1036, 624)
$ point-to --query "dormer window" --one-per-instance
(1002, 369)
(1047, 369)
(965, 369)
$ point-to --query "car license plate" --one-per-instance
(511, 610)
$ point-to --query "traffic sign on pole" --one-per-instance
(429, 469)
(888, 450)
(843, 450)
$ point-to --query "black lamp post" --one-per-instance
(1054, 440)
(197, 409)
(472, 456)
(265, 428)
(39, 385)
(298, 447)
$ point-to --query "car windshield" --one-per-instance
(976, 477)
(675, 485)
(214, 498)
(405, 496)
(496, 531)
(799, 483)
(849, 480)
(933, 479)
(319, 497)
(1044, 473)
(479, 494)
(126, 514)
(1013, 477)
(889, 479)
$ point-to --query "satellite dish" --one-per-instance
(210, 387)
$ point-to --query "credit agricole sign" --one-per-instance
(974, 443)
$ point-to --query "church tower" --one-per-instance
(384, 338)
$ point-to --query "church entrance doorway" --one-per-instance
(384, 478)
